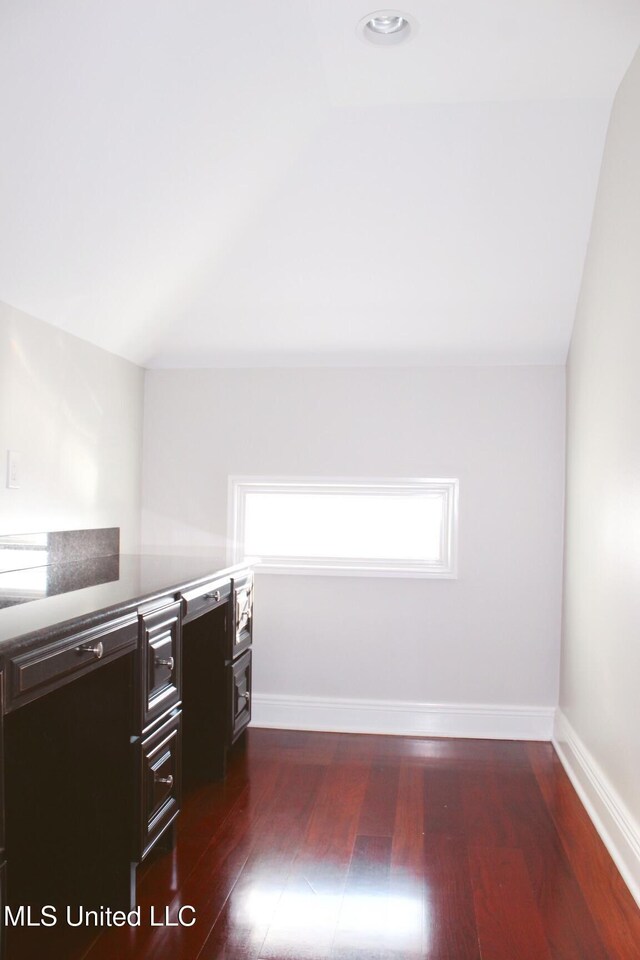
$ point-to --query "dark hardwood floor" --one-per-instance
(346, 847)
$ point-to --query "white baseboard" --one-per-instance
(479, 721)
(611, 818)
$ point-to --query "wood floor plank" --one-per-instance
(443, 803)
(407, 848)
(244, 922)
(378, 814)
(567, 921)
(406, 874)
(292, 746)
(507, 916)
(353, 748)
(450, 923)
(306, 918)
(612, 907)
(366, 922)
(486, 821)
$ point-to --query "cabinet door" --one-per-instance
(242, 625)
(239, 679)
(161, 657)
(159, 760)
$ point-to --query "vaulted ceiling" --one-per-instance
(197, 182)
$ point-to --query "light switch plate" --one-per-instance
(13, 469)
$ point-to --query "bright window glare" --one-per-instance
(364, 916)
(345, 526)
(24, 584)
(18, 551)
(394, 527)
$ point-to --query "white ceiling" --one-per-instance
(197, 182)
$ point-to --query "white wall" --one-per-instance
(74, 413)
(490, 637)
(599, 728)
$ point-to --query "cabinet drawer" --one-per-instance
(160, 659)
(239, 680)
(159, 781)
(32, 673)
(241, 633)
(206, 597)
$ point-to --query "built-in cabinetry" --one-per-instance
(157, 739)
(238, 664)
(216, 672)
(100, 723)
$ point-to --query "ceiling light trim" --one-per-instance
(387, 27)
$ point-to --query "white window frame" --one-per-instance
(446, 568)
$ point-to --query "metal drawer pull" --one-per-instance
(247, 696)
(97, 651)
(168, 780)
(169, 662)
(212, 596)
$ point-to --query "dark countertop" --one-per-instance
(76, 595)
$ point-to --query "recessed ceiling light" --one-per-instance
(387, 23)
(387, 26)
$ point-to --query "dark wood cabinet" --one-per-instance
(161, 661)
(204, 695)
(238, 682)
(217, 679)
(239, 693)
(159, 778)
(92, 735)
(69, 791)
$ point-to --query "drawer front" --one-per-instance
(239, 679)
(204, 598)
(159, 780)
(161, 659)
(32, 674)
(242, 626)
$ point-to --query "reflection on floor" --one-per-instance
(336, 847)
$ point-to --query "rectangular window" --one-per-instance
(377, 527)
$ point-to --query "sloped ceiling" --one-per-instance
(199, 183)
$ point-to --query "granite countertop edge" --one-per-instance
(51, 628)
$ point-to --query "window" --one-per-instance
(376, 527)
